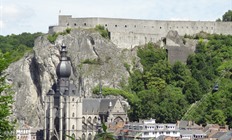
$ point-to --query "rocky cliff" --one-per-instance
(93, 59)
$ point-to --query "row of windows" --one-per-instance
(161, 132)
(159, 127)
(177, 27)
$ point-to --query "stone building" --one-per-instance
(69, 112)
(127, 33)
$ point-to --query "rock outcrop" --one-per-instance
(178, 48)
(93, 59)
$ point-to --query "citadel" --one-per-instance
(127, 33)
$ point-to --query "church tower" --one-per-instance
(63, 104)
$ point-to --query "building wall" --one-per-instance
(127, 33)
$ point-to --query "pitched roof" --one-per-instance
(226, 136)
(104, 105)
(218, 135)
(91, 106)
(188, 124)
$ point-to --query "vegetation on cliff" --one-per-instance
(167, 91)
(12, 48)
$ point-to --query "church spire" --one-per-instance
(63, 70)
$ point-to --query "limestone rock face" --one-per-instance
(92, 57)
(178, 48)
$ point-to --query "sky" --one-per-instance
(18, 16)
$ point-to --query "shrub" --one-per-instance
(101, 29)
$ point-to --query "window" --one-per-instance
(85, 24)
(125, 26)
(106, 25)
(73, 115)
(135, 26)
(160, 27)
(116, 25)
(73, 99)
(146, 133)
(75, 24)
(73, 127)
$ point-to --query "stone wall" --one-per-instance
(127, 33)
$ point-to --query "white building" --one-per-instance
(149, 129)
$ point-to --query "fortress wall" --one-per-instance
(127, 33)
(130, 40)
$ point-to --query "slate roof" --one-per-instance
(91, 106)
(104, 105)
(226, 136)
(191, 132)
(218, 135)
(188, 124)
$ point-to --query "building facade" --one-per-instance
(68, 112)
(127, 33)
(149, 129)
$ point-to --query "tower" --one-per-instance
(63, 104)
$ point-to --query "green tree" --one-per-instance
(104, 135)
(6, 100)
(227, 16)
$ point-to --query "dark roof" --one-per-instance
(104, 105)
(188, 124)
(91, 106)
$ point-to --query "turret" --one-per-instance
(63, 72)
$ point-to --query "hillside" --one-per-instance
(93, 59)
(154, 87)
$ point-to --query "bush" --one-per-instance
(52, 38)
(132, 98)
(101, 29)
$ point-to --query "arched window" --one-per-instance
(90, 136)
(73, 127)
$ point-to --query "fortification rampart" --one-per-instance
(127, 33)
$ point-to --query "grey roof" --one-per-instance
(104, 105)
(218, 135)
(226, 136)
(91, 106)
(188, 124)
(191, 132)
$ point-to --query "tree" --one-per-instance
(227, 16)
(104, 135)
(6, 100)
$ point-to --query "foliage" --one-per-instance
(101, 29)
(6, 100)
(227, 16)
(209, 66)
(150, 55)
(52, 37)
(104, 135)
(13, 47)
(92, 61)
(111, 91)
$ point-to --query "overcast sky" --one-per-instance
(17, 16)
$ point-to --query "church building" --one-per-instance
(69, 113)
